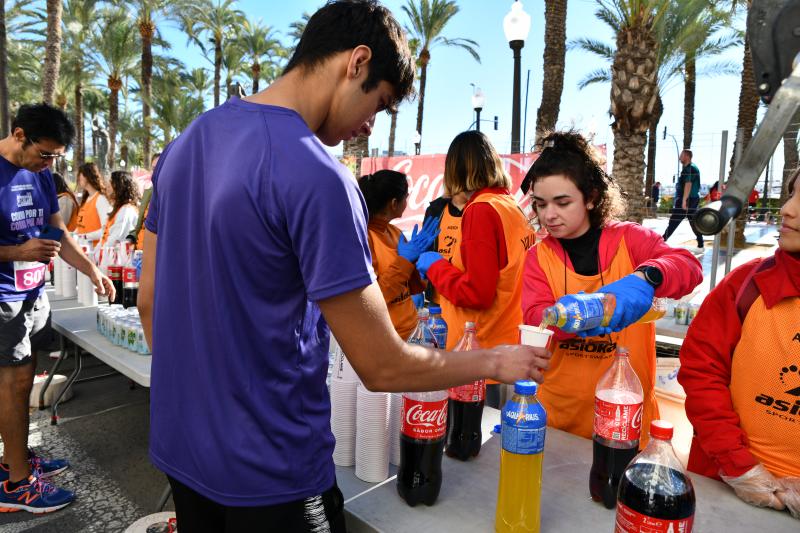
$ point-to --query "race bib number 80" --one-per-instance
(28, 275)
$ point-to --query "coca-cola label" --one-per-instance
(424, 420)
(617, 421)
(129, 275)
(472, 392)
(629, 521)
(115, 273)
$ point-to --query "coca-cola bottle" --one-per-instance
(109, 261)
(465, 407)
(422, 432)
(617, 424)
(655, 494)
(130, 281)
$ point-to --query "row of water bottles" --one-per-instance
(122, 327)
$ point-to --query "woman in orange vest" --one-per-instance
(122, 218)
(588, 249)
(393, 257)
(740, 368)
(67, 203)
(93, 212)
(481, 282)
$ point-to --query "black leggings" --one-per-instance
(317, 514)
(678, 214)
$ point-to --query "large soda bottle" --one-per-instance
(130, 279)
(422, 432)
(438, 326)
(519, 493)
(109, 262)
(617, 424)
(655, 494)
(465, 407)
(578, 312)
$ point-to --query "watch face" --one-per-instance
(654, 275)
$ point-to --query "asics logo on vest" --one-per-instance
(579, 345)
(796, 337)
(528, 241)
(788, 376)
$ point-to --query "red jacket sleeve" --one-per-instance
(483, 252)
(682, 271)
(705, 374)
(536, 293)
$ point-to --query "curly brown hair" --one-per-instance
(569, 154)
(125, 190)
(92, 174)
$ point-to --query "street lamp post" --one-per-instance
(478, 101)
(516, 25)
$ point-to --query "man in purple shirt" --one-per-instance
(255, 241)
(39, 135)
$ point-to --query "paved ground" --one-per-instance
(104, 429)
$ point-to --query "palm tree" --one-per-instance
(197, 82)
(52, 56)
(258, 42)
(428, 20)
(296, 30)
(19, 20)
(116, 58)
(555, 37)
(233, 61)
(4, 119)
(175, 102)
(413, 46)
(215, 21)
(95, 101)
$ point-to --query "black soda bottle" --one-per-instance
(655, 494)
(465, 408)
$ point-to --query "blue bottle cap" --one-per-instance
(525, 387)
(435, 310)
(497, 429)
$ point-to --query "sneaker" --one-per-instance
(36, 496)
(44, 468)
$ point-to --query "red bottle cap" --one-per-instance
(661, 429)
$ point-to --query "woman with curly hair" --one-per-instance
(122, 218)
(589, 250)
(93, 211)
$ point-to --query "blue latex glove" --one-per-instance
(426, 259)
(634, 298)
(419, 300)
(419, 242)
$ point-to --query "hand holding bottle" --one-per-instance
(634, 297)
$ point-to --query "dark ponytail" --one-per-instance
(380, 188)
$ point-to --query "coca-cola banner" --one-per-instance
(426, 179)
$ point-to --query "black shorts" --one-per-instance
(21, 323)
(323, 513)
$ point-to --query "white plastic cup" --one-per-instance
(533, 336)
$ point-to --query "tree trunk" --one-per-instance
(748, 110)
(78, 150)
(94, 141)
(123, 154)
(113, 119)
(392, 134)
(52, 54)
(146, 30)
(628, 170)
(424, 58)
(790, 155)
(689, 89)
(357, 148)
(217, 70)
(652, 142)
(555, 37)
(256, 70)
(4, 112)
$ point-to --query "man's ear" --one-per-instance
(19, 134)
(359, 61)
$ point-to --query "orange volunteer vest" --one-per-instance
(765, 384)
(577, 364)
(384, 254)
(72, 223)
(498, 324)
(88, 218)
(140, 235)
(447, 244)
(110, 223)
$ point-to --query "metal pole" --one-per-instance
(478, 119)
(732, 227)
(516, 46)
(525, 120)
(723, 156)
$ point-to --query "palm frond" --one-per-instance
(599, 75)
(593, 46)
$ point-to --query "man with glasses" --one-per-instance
(28, 205)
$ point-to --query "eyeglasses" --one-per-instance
(46, 155)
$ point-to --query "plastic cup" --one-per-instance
(533, 336)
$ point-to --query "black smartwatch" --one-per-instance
(652, 275)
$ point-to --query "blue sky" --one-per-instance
(448, 108)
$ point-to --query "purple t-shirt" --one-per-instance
(256, 222)
(27, 199)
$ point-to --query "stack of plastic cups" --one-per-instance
(344, 382)
(69, 287)
(86, 294)
(395, 419)
(57, 275)
(372, 435)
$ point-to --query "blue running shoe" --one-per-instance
(36, 496)
(44, 468)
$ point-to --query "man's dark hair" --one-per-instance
(688, 152)
(345, 24)
(43, 121)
